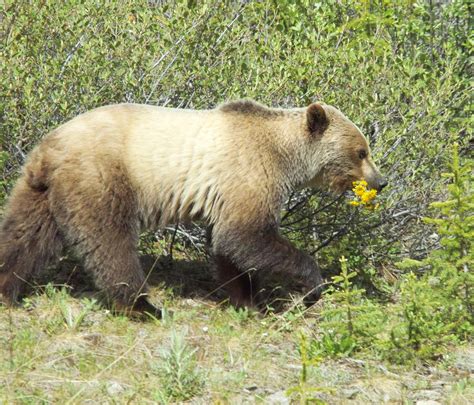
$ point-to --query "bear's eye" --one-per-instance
(362, 154)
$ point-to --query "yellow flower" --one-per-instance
(363, 196)
(359, 190)
(368, 196)
(372, 193)
(359, 187)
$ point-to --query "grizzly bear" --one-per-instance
(96, 181)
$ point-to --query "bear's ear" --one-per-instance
(316, 118)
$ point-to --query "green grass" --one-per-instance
(206, 351)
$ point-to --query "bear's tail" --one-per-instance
(29, 236)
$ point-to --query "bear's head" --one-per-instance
(341, 153)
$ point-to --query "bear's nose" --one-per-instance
(382, 184)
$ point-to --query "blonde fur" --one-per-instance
(132, 166)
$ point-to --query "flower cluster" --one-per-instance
(363, 196)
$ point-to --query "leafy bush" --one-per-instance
(304, 391)
(434, 309)
(180, 377)
(422, 330)
(454, 261)
(3, 183)
(349, 321)
(398, 69)
(437, 308)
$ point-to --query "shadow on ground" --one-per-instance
(185, 278)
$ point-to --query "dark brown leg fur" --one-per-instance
(29, 239)
(266, 250)
(100, 219)
(242, 287)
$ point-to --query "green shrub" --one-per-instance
(397, 69)
(349, 322)
(453, 263)
(422, 330)
(303, 391)
(3, 181)
(180, 378)
(437, 308)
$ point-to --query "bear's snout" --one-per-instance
(376, 182)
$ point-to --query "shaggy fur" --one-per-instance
(96, 181)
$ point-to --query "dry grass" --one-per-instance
(63, 349)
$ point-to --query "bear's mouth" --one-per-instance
(342, 186)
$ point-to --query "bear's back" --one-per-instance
(182, 164)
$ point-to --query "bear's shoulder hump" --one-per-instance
(249, 107)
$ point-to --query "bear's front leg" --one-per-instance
(264, 249)
(241, 286)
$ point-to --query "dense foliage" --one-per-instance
(398, 69)
(434, 309)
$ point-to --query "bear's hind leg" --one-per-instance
(29, 240)
(100, 220)
(113, 261)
